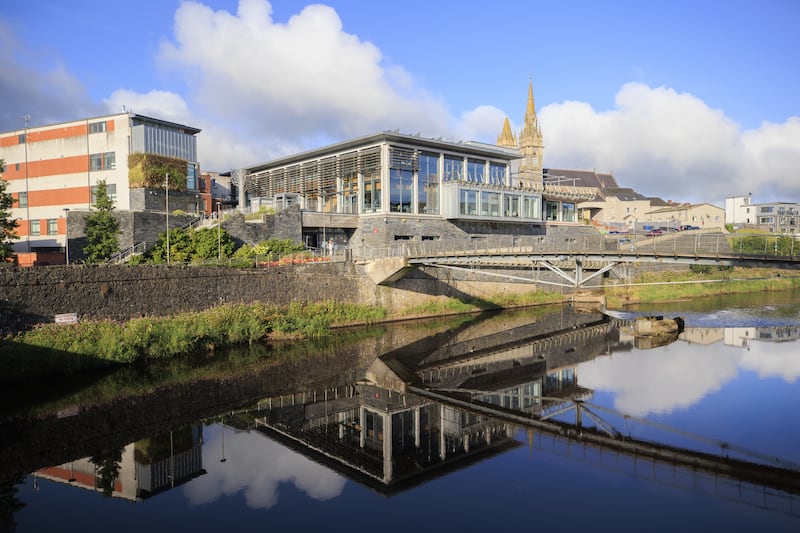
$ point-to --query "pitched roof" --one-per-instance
(583, 178)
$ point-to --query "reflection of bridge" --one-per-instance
(589, 256)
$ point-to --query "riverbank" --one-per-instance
(672, 285)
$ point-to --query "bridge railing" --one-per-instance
(706, 245)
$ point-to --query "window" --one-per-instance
(111, 190)
(16, 167)
(52, 226)
(511, 205)
(400, 190)
(497, 173)
(468, 204)
(428, 184)
(97, 127)
(453, 168)
(21, 138)
(35, 229)
(490, 204)
(106, 161)
(476, 170)
(22, 200)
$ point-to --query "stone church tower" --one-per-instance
(530, 145)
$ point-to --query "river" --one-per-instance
(541, 418)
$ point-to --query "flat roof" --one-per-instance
(470, 147)
(129, 114)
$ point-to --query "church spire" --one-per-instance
(507, 138)
(530, 144)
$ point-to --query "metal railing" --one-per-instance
(699, 245)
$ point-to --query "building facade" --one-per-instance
(778, 217)
(388, 187)
(54, 169)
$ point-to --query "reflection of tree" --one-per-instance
(9, 503)
(107, 463)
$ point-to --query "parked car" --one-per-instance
(688, 227)
(654, 232)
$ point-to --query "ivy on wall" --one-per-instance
(148, 170)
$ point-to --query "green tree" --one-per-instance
(102, 229)
(186, 245)
(208, 244)
(8, 225)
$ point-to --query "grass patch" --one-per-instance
(499, 301)
(66, 349)
(678, 285)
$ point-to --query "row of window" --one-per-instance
(496, 204)
(51, 229)
(111, 190)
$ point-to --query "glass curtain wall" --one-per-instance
(401, 180)
(453, 168)
(428, 184)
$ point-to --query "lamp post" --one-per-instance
(219, 235)
(166, 208)
(27, 119)
(66, 234)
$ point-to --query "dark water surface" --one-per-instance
(510, 421)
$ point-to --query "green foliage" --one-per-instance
(149, 170)
(187, 245)
(211, 242)
(8, 225)
(102, 229)
(701, 269)
(780, 245)
(269, 248)
(729, 228)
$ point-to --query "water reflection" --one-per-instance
(699, 364)
(397, 409)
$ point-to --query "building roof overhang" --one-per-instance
(469, 147)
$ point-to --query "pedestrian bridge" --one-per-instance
(579, 259)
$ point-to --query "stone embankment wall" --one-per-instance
(122, 292)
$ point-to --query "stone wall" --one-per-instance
(120, 292)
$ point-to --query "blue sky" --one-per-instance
(686, 100)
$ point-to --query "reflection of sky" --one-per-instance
(676, 376)
(256, 466)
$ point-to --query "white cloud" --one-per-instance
(161, 104)
(301, 81)
(257, 466)
(675, 387)
(673, 145)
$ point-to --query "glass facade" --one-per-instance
(420, 180)
(453, 168)
(429, 189)
(476, 171)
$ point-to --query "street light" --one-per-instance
(219, 235)
(66, 234)
(166, 208)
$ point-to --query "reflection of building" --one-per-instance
(386, 440)
(702, 335)
(142, 469)
(743, 337)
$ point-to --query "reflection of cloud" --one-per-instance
(661, 380)
(257, 465)
(773, 359)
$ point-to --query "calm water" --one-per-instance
(699, 434)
